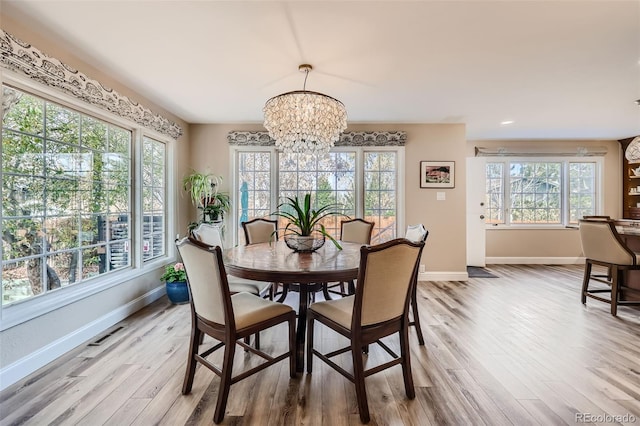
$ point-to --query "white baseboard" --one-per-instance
(535, 260)
(38, 359)
(443, 276)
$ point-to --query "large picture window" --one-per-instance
(363, 183)
(68, 197)
(540, 192)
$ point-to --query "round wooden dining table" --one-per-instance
(275, 262)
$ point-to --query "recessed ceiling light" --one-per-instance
(506, 122)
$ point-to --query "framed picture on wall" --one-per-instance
(437, 174)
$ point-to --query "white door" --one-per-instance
(476, 199)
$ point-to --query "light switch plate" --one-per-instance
(441, 196)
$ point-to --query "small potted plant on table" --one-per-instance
(305, 232)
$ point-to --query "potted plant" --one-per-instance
(304, 221)
(175, 278)
(203, 191)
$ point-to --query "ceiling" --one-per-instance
(557, 69)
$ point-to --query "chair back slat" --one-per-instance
(260, 231)
(208, 234)
(207, 280)
(601, 242)
(356, 231)
(385, 278)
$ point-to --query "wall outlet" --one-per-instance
(441, 196)
(422, 269)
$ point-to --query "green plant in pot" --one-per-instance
(304, 221)
(203, 192)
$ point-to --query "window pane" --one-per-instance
(495, 193)
(380, 186)
(582, 191)
(535, 189)
(153, 202)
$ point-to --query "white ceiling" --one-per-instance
(558, 69)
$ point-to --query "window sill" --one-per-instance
(530, 227)
(26, 310)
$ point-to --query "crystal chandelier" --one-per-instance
(305, 121)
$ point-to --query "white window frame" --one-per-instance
(27, 309)
(565, 214)
(359, 180)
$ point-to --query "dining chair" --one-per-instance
(351, 231)
(379, 308)
(258, 231)
(416, 233)
(227, 318)
(211, 235)
(602, 245)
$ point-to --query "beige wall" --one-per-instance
(561, 243)
(24, 339)
(445, 250)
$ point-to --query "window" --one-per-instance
(153, 199)
(364, 183)
(68, 198)
(540, 192)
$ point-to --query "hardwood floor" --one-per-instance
(515, 350)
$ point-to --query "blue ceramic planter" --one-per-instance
(177, 292)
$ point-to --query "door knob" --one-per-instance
(481, 216)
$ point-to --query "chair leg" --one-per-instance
(225, 381)
(285, 290)
(585, 281)
(416, 317)
(310, 326)
(196, 336)
(358, 376)
(257, 341)
(292, 347)
(325, 291)
(406, 363)
(615, 286)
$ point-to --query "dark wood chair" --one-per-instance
(602, 245)
(228, 319)
(351, 231)
(416, 233)
(378, 309)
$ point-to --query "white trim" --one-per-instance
(443, 276)
(38, 359)
(535, 260)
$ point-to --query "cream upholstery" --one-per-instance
(203, 276)
(259, 231)
(416, 233)
(387, 281)
(356, 231)
(208, 234)
(212, 236)
(339, 310)
(600, 243)
(249, 310)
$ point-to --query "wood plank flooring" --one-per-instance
(515, 350)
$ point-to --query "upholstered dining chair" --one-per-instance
(378, 309)
(602, 245)
(227, 318)
(351, 231)
(260, 230)
(416, 233)
(211, 235)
